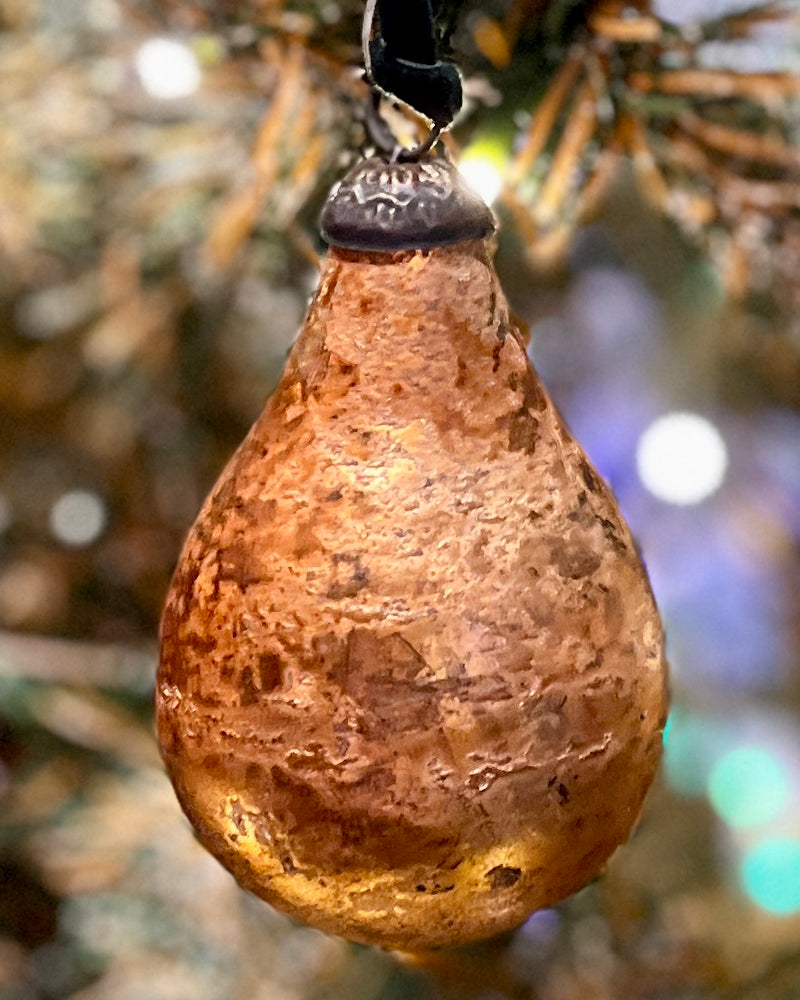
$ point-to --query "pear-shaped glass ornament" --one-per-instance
(412, 682)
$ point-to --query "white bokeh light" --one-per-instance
(697, 11)
(483, 176)
(168, 69)
(682, 458)
(78, 517)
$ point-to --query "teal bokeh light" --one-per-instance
(748, 786)
(771, 875)
(692, 744)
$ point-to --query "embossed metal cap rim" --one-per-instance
(383, 206)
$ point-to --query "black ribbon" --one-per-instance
(406, 57)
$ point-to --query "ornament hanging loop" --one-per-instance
(402, 62)
(383, 137)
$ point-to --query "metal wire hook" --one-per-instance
(366, 34)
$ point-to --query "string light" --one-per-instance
(770, 874)
(748, 786)
(682, 458)
(481, 168)
(78, 518)
(168, 69)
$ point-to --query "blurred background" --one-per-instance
(162, 165)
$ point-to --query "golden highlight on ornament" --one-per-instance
(412, 680)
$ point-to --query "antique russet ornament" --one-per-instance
(412, 679)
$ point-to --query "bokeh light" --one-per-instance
(692, 744)
(167, 69)
(770, 873)
(689, 11)
(481, 167)
(78, 517)
(682, 458)
(749, 786)
(541, 926)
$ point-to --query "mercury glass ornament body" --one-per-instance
(412, 681)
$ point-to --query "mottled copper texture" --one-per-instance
(412, 680)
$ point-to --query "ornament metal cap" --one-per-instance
(385, 206)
